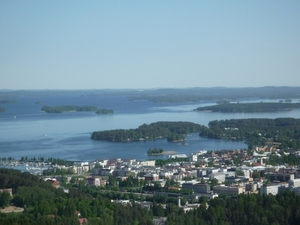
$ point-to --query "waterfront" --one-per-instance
(27, 131)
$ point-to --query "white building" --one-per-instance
(210, 170)
(294, 183)
(148, 163)
(195, 156)
(177, 156)
(229, 190)
(219, 176)
(272, 188)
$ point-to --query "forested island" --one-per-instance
(2, 109)
(105, 111)
(250, 107)
(173, 131)
(155, 151)
(6, 101)
(68, 108)
(74, 108)
(283, 132)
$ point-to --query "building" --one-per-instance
(282, 177)
(229, 190)
(251, 187)
(201, 172)
(219, 176)
(201, 188)
(148, 163)
(294, 183)
(272, 188)
(197, 187)
(93, 181)
(153, 177)
(188, 185)
(210, 170)
(105, 172)
(9, 190)
(178, 176)
(177, 156)
(296, 190)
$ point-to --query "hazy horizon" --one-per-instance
(75, 45)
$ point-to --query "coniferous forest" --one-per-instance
(243, 210)
(173, 131)
(43, 204)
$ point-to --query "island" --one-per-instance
(173, 131)
(155, 151)
(2, 110)
(249, 107)
(105, 111)
(6, 101)
(68, 108)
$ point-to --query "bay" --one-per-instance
(27, 131)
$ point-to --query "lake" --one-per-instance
(27, 131)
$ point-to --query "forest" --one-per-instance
(173, 131)
(285, 132)
(44, 204)
(250, 107)
(245, 209)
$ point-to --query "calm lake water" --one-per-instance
(27, 131)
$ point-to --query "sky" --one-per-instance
(148, 44)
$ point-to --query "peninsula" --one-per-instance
(280, 132)
(249, 107)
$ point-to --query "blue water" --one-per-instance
(27, 131)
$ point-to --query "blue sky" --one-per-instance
(149, 44)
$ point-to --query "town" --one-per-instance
(189, 178)
(204, 174)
